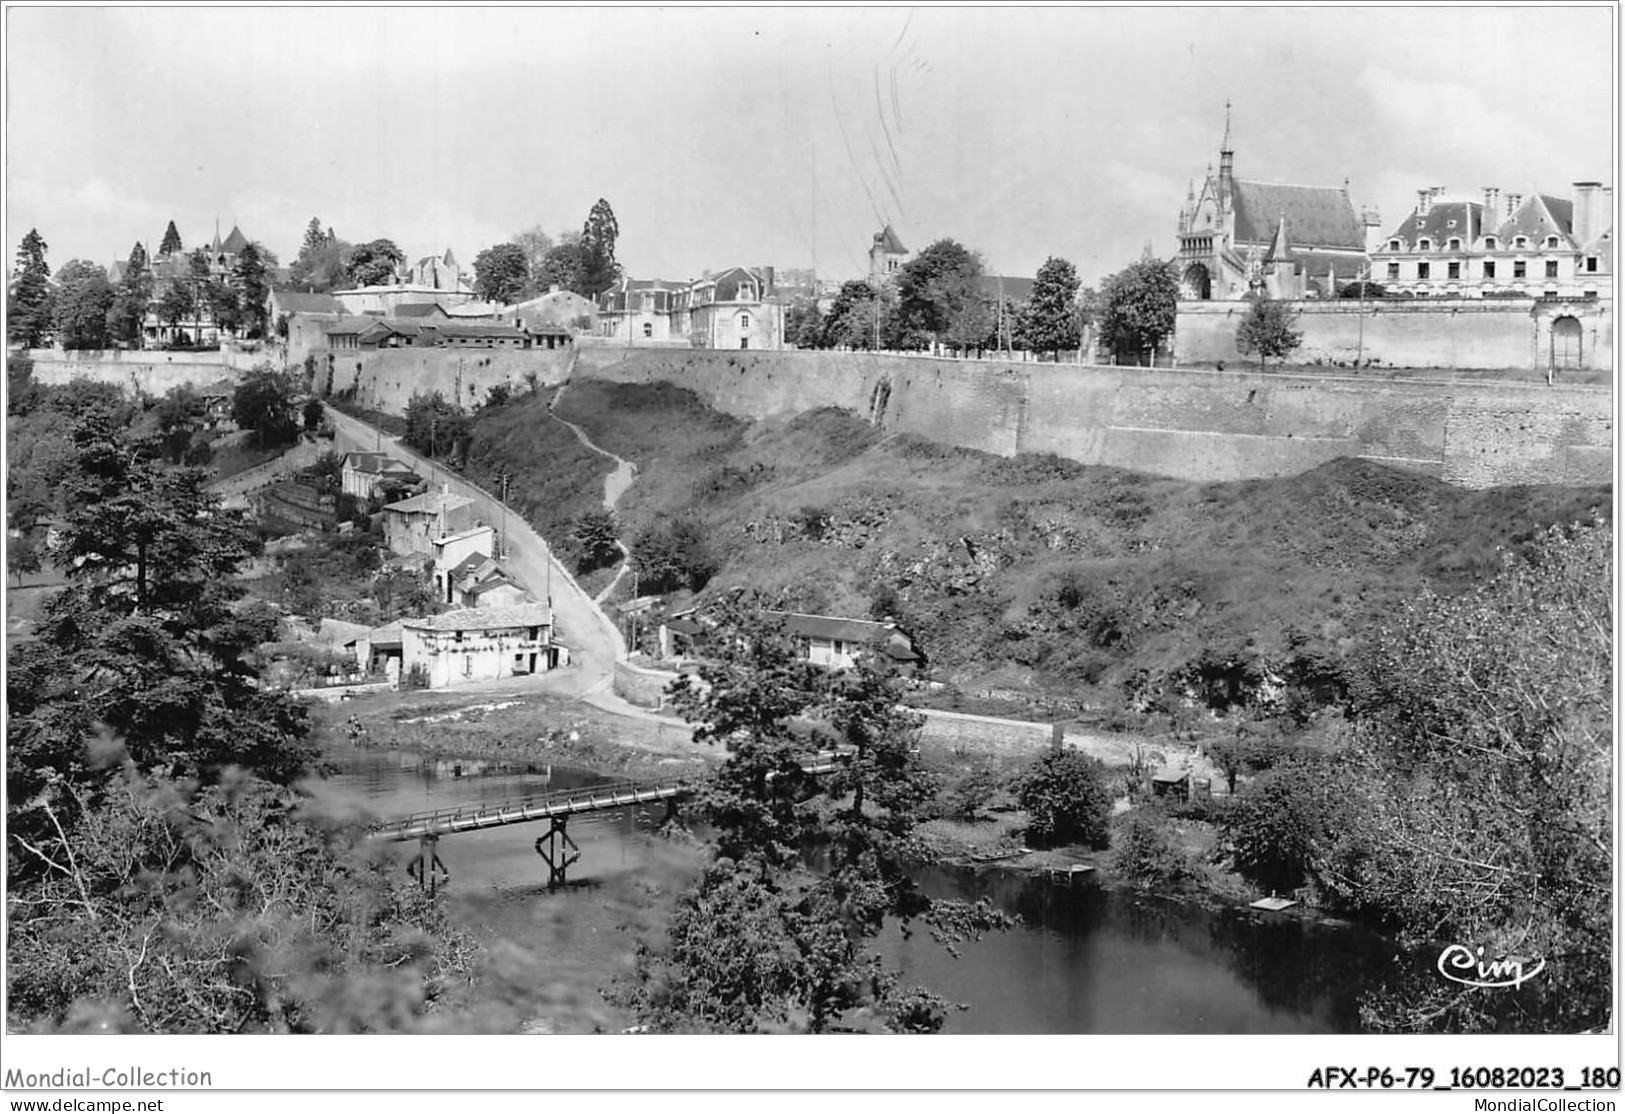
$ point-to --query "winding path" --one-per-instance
(615, 485)
(595, 642)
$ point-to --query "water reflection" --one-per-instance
(1082, 960)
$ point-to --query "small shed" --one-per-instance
(1171, 781)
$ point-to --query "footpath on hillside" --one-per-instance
(615, 485)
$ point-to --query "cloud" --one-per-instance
(1144, 189)
(1453, 122)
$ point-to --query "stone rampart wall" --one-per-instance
(387, 378)
(1187, 423)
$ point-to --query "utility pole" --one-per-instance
(1359, 350)
(502, 537)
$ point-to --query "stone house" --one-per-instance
(476, 543)
(364, 474)
(735, 309)
(826, 640)
(480, 644)
(411, 526)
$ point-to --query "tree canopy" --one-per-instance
(1051, 321)
(1138, 306)
(322, 261)
(761, 943)
(30, 310)
(265, 402)
(373, 263)
(501, 273)
(940, 294)
(598, 268)
(252, 279)
(1267, 329)
(83, 299)
(131, 297)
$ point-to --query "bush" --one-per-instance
(1144, 851)
(967, 793)
(1065, 796)
(1273, 832)
(672, 556)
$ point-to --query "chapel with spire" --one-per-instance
(1239, 237)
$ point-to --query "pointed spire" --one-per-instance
(1225, 146)
(1281, 246)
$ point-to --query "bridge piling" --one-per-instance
(426, 868)
(558, 850)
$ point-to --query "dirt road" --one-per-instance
(594, 643)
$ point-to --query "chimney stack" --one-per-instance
(1513, 201)
(1586, 211)
(1424, 202)
(1492, 202)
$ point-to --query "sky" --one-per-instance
(741, 135)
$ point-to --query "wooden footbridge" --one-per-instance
(555, 847)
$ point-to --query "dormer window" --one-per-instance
(1551, 241)
(1424, 244)
(1521, 242)
(1393, 245)
(1455, 242)
(1489, 243)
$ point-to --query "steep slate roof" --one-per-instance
(1319, 216)
(430, 502)
(484, 618)
(236, 242)
(421, 309)
(886, 239)
(1444, 221)
(294, 301)
(1538, 217)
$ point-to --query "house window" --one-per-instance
(457, 637)
(1489, 268)
(1520, 269)
(1455, 244)
(1422, 270)
(1521, 242)
(1393, 245)
(533, 634)
(744, 320)
(1424, 244)
(1393, 270)
(1551, 241)
(1591, 264)
(648, 330)
(1551, 268)
(1455, 270)
(1489, 243)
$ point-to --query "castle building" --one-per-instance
(1539, 246)
(1238, 237)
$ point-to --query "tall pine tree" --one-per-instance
(29, 302)
(171, 244)
(599, 271)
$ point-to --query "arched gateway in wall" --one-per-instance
(1568, 343)
(1196, 284)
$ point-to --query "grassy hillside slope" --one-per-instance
(1036, 575)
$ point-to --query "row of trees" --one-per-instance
(534, 262)
(942, 298)
(82, 308)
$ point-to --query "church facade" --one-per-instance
(1239, 237)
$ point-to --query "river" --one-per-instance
(1081, 960)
